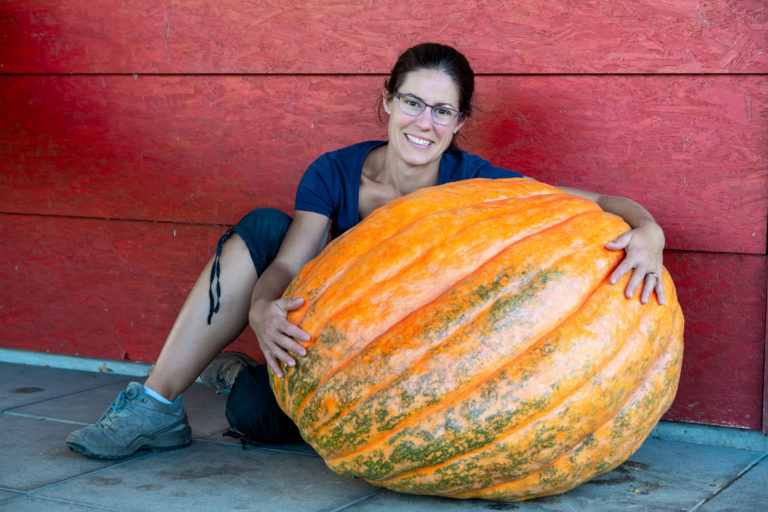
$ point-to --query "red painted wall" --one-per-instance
(131, 133)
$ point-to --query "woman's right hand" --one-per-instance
(275, 333)
(277, 336)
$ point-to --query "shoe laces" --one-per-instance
(124, 398)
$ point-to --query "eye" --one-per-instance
(412, 102)
(443, 112)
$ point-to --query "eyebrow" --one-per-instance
(439, 104)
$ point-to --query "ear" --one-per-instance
(385, 102)
(459, 126)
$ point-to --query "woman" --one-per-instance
(427, 100)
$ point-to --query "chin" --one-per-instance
(419, 157)
(420, 160)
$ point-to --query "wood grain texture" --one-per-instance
(207, 149)
(723, 299)
(95, 288)
(692, 150)
(112, 289)
(231, 36)
(192, 149)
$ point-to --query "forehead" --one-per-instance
(433, 86)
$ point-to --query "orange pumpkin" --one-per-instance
(465, 342)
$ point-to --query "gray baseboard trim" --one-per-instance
(85, 364)
(726, 437)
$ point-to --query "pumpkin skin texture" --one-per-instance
(466, 342)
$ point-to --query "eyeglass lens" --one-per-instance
(413, 106)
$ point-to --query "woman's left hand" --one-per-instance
(643, 246)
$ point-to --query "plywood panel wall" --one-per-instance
(321, 37)
(133, 133)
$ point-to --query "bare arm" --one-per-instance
(644, 244)
(304, 240)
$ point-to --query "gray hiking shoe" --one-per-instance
(135, 421)
(223, 370)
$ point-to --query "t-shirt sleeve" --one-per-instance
(484, 169)
(492, 172)
(460, 165)
(316, 191)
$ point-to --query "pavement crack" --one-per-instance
(730, 482)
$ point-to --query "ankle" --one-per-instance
(159, 392)
(160, 398)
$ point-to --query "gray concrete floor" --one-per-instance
(41, 405)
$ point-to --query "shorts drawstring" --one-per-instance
(262, 231)
(215, 302)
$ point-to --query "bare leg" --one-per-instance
(192, 343)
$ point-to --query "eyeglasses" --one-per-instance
(413, 106)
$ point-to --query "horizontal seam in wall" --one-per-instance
(300, 74)
(119, 219)
(226, 225)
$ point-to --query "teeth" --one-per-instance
(416, 140)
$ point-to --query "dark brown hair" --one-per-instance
(438, 57)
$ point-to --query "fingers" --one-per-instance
(648, 287)
(278, 350)
(279, 345)
(652, 282)
(660, 290)
(625, 267)
(275, 356)
(286, 327)
(649, 281)
(635, 281)
(277, 336)
(275, 365)
(620, 242)
(291, 304)
(642, 260)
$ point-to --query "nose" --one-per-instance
(424, 120)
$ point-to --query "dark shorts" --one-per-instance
(252, 410)
(262, 230)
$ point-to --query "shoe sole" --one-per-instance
(151, 445)
(88, 453)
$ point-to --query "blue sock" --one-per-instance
(160, 398)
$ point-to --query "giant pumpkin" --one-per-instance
(466, 342)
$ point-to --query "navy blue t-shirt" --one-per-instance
(331, 185)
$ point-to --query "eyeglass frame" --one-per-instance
(399, 95)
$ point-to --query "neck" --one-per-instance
(406, 178)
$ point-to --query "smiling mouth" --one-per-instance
(417, 141)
